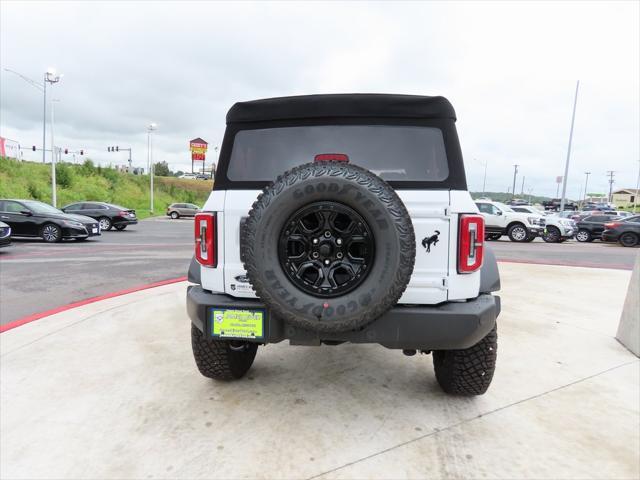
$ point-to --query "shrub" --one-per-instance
(64, 175)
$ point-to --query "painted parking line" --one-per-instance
(37, 316)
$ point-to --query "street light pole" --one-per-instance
(52, 77)
(635, 197)
(150, 128)
(44, 119)
(586, 182)
(566, 165)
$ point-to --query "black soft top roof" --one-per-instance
(352, 105)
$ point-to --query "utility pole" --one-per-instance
(522, 188)
(566, 165)
(610, 173)
(484, 181)
(515, 173)
(586, 182)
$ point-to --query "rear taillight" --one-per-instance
(611, 225)
(470, 243)
(205, 236)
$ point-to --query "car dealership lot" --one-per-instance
(571, 253)
(36, 276)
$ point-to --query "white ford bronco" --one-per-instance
(344, 218)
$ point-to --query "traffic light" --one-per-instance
(33, 148)
(81, 152)
(117, 149)
(66, 151)
(108, 149)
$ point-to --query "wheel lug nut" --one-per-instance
(339, 241)
(327, 234)
(327, 262)
(315, 254)
(315, 241)
(339, 255)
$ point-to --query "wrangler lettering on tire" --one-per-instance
(329, 247)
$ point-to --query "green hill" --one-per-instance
(89, 182)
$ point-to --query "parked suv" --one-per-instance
(500, 219)
(556, 229)
(590, 228)
(625, 230)
(108, 215)
(344, 218)
(177, 210)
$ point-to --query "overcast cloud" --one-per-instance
(508, 68)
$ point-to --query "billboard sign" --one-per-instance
(198, 149)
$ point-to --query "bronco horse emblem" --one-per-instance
(432, 240)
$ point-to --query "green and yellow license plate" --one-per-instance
(235, 323)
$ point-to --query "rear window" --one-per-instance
(394, 152)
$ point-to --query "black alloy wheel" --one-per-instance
(551, 235)
(629, 239)
(326, 249)
(51, 233)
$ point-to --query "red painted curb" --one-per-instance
(37, 316)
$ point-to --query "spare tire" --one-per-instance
(328, 247)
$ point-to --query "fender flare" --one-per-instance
(193, 275)
(489, 274)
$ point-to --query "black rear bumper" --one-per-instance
(449, 326)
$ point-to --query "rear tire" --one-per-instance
(629, 239)
(584, 236)
(221, 360)
(175, 215)
(120, 227)
(493, 236)
(468, 371)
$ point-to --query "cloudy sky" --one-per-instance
(509, 68)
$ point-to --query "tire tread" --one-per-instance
(215, 359)
(468, 371)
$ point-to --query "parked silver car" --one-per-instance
(177, 210)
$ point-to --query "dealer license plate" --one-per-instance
(235, 323)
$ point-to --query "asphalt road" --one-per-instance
(35, 276)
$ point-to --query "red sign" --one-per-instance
(197, 157)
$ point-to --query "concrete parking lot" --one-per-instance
(110, 390)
